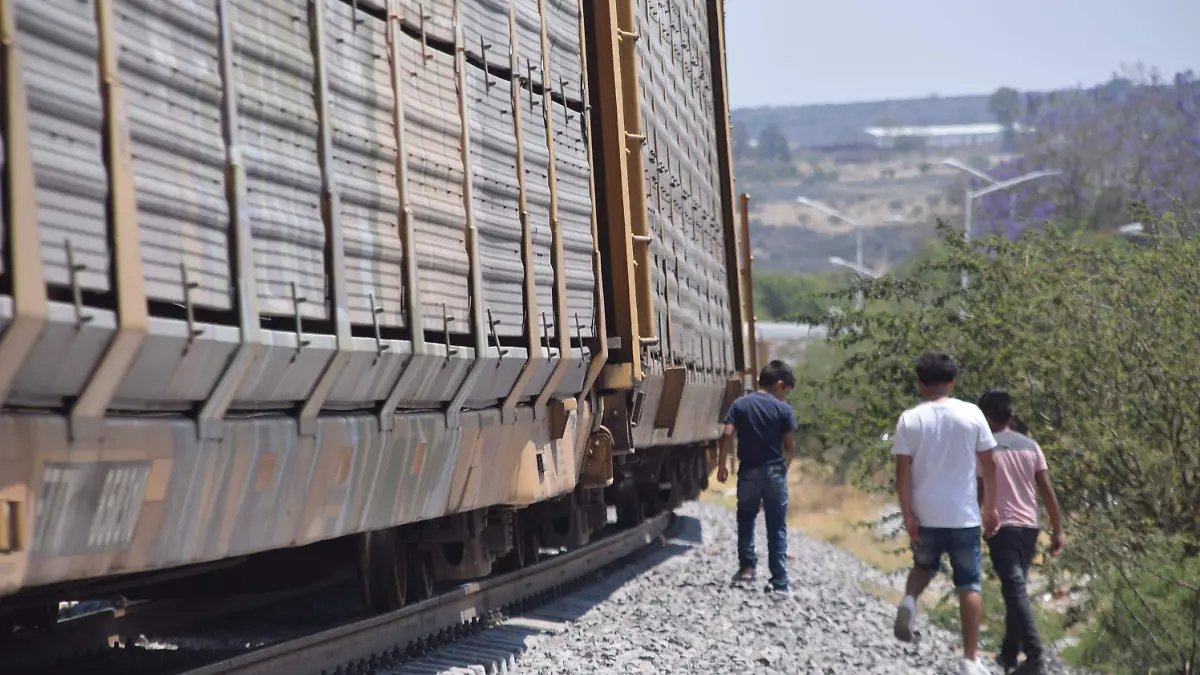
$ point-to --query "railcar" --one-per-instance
(428, 284)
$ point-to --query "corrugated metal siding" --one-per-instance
(566, 65)
(575, 217)
(682, 184)
(485, 24)
(59, 50)
(496, 206)
(364, 158)
(169, 64)
(433, 131)
(278, 131)
(529, 40)
(436, 17)
(537, 201)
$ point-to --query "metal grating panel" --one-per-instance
(278, 133)
(59, 49)
(537, 201)
(486, 31)
(575, 217)
(433, 131)
(169, 66)
(495, 189)
(682, 183)
(364, 158)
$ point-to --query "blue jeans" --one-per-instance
(766, 486)
(963, 547)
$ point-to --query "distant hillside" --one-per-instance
(815, 126)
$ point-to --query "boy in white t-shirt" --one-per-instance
(937, 445)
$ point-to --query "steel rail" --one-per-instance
(108, 627)
(375, 639)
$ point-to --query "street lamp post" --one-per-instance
(995, 186)
(858, 235)
(858, 269)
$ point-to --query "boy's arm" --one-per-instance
(789, 434)
(725, 444)
(904, 459)
(1050, 499)
(985, 463)
(991, 519)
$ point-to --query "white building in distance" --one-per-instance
(938, 136)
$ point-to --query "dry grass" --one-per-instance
(828, 512)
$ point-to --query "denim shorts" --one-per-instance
(961, 545)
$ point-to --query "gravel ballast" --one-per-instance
(676, 612)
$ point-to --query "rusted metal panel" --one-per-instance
(716, 41)
(169, 64)
(609, 109)
(274, 70)
(752, 364)
(599, 359)
(60, 51)
(152, 496)
(634, 141)
(364, 164)
(432, 129)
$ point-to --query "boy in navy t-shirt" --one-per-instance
(763, 422)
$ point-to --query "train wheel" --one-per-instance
(420, 576)
(525, 550)
(630, 509)
(383, 571)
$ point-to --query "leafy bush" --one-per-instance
(1096, 340)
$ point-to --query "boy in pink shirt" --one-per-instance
(1021, 474)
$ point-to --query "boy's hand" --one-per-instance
(722, 473)
(913, 526)
(991, 522)
(1057, 542)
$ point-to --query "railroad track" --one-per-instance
(387, 640)
(115, 627)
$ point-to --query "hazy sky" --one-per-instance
(783, 52)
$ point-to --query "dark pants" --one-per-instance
(765, 485)
(1012, 550)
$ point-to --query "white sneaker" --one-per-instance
(971, 668)
(906, 613)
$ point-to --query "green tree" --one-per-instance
(1006, 106)
(773, 145)
(1095, 337)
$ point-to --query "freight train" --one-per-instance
(427, 283)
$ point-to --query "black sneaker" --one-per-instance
(744, 576)
(1007, 664)
(779, 592)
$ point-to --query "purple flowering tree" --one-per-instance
(1134, 139)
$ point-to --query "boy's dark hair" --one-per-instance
(936, 368)
(776, 371)
(997, 406)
